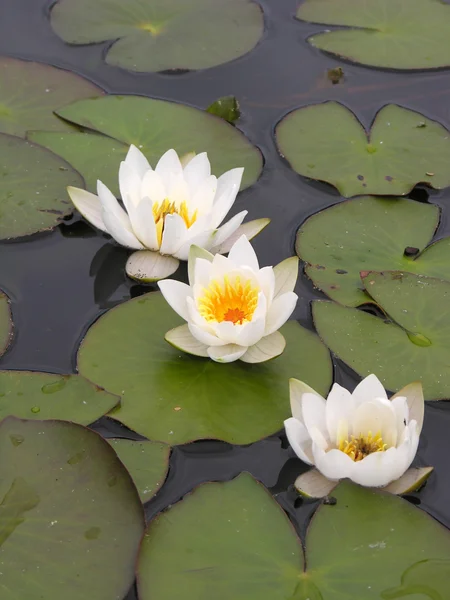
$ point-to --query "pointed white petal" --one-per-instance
(266, 280)
(400, 407)
(204, 336)
(280, 311)
(121, 231)
(153, 187)
(148, 266)
(197, 170)
(130, 186)
(228, 229)
(227, 353)
(340, 410)
(313, 484)
(88, 205)
(267, 348)
(314, 414)
(333, 464)
(137, 161)
(227, 189)
(174, 234)
(249, 229)
(204, 240)
(297, 389)
(197, 253)
(410, 481)
(243, 255)
(414, 397)
(203, 197)
(110, 205)
(250, 334)
(176, 293)
(179, 191)
(368, 389)
(380, 468)
(299, 440)
(182, 339)
(143, 224)
(375, 417)
(169, 166)
(286, 273)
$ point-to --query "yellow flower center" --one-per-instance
(363, 445)
(233, 301)
(166, 207)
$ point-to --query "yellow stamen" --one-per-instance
(233, 301)
(166, 207)
(363, 445)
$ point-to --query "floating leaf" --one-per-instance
(31, 91)
(33, 193)
(356, 548)
(397, 34)
(153, 126)
(176, 398)
(370, 234)
(70, 517)
(415, 345)
(32, 395)
(328, 143)
(6, 325)
(147, 463)
(226, 108)
(156, 35)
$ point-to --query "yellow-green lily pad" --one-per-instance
(6, 324)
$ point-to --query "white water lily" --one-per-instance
(232, 307)
(362, 436)
(166, 211)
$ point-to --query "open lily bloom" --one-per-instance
(232, 307)
(166, 211)
(361, 436)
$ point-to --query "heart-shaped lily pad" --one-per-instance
(370, 234)
(146, 462)
(356, 548)
(412, 343)
(31, 91)
(398, 34)
(70, 516)
(153, 126)
(158, 35)
(31, 395)
(33, 193)
(6, 325)
(175, 397)
(327, 142)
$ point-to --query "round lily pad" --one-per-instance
(70, 519)
(6, 325)
(147, 463)
(358, 547)
(157, 35)
(33, 193)
(175, 397)
(327, 142)
(398, 34)
(413, 341)
(370, 234)
(31, 91)
(32, 395)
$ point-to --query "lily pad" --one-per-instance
(370, 234)
(412, 343)
(32, 395)
(70, 518)
(147, 463)
(327, 142)
(6, 325)
(157, 35)
(33, 193)
(31, 91)
(153, 126)
(397, 34)
(356, 548)
(175, 397)
(226, 108)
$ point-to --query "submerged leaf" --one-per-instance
(226, 108)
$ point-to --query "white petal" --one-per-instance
(143, 223)
(176, 294)
(314, 413)
(203, 240)
(227, 331)
(137, 161)
(179, 191)
(251, 333)
(340, 408)
(266, 278)
(267, 348)
(286, 273)
(368, 389)
(280, 311)
(197, 170)
(297, 389)
(88, 205)
(202, 271)
(148, 266)
(204, 336)
(334, 464)
(414, 397)
(181, 338)
(400, 407)
(249, 229)
(299, 439)
(203, 198)
(174, 234)
(380, 468)
(313, 484)
(224, 232)
(120, 230)
(375, 417)
(197, 253)
(226, 354)
(243, 255)
(110, 205)
(169, 166)
(227, 189)
(153, 187)
(130, 186)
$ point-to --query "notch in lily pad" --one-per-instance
(226, 108)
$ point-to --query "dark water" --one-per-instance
(60, 282)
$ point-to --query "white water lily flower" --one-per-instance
(232, 307)
(166, 211)
(361, 436)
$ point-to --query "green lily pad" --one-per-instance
(226, 108)
(70, 517)
(157, 35)
(32, 395)
(175, 397)
(327, 142)
(397, 34)
(147, 463)
(356, 548)
(31, 91)
(33, 193)
(6, 324)
(370, 234)
(411, 344)
(153, 126)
